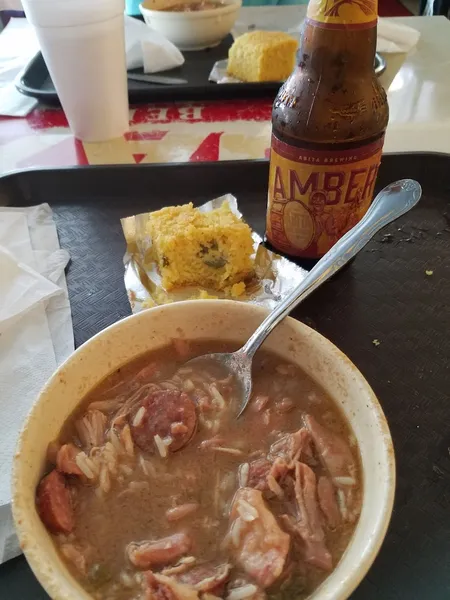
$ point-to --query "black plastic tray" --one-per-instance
(35, 81)
(384, 294)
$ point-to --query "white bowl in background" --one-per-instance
(207, 319)
(195, 30)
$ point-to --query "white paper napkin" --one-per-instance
(392, 37)
(395, 37)
(35, 331)
(149, 49)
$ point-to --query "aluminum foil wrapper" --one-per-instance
(275, 276)
(219, 73)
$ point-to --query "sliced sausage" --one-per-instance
(145, 555)
(168, 413)
(54, 503)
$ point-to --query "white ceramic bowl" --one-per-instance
(210, 319)
(194, 30)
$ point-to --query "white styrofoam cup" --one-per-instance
(83, 44)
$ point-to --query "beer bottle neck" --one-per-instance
(345, 30)
(337, 49)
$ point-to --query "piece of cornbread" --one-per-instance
(210, 249)
(262, 56)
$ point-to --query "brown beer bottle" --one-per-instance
(328, 125)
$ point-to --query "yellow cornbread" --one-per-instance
(210, 249)
(262, 56)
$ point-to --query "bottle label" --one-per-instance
(345, 14)
(317, 196)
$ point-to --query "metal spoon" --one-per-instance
(393, 201)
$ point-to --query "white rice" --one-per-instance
(184, 371)
(126, 470)
(217, 396)
(80, 459)
(138, 486)
(242, 592)
(344, 481)
(182, 511)
(342, 504)
(94, 467)
(274, 486)
(160, 446)
(235, 532)
(115, 441)
(147, 466)
(105, 405)
(188, 385)
(109, 456)
(126, 580)
(226, 450)
(228, 482)
(243, 474)
(109, 449)
(139, 417)
(246, 510)
(127, 440)
(105, 480)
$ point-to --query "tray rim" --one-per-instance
(164, 93)
(206, 91)
(194, 165)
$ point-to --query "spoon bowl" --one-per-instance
(392, 202)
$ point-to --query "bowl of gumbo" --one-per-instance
(135, 481)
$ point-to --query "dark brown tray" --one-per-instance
(35, 81)
(384, 294)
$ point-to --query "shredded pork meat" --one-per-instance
(147, 554)
(261, 546)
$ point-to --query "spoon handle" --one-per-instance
(393, 201)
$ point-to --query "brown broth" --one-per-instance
(107, 522)
(194, 6)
